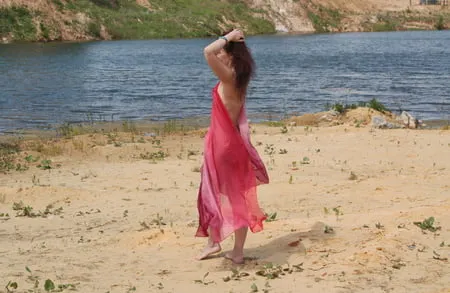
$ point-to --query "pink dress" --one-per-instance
(231, 171)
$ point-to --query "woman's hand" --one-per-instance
(235, 36)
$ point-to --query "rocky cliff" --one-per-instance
(68, 20)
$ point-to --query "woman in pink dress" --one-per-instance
(232, 168)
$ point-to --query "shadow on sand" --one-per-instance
(279, 250)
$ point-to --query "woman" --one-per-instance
(232, 168)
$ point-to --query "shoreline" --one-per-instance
(271, 34)
(150, 127)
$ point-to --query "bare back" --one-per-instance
(220, 61)
(231, 100)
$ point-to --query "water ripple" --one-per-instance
(44, 84)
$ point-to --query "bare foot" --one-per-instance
(208, 250)
(235, 258)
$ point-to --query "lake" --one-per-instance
(42, 85)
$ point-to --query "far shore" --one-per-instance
(274, 34)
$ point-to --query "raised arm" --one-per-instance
(220, 69)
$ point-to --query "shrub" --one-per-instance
(440, 23)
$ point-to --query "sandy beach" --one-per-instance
(116, 212)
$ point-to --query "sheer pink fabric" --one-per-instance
(231, 171)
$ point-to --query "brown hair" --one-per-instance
(242, 62)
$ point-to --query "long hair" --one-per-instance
(243, 64)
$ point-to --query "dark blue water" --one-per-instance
(47, 84)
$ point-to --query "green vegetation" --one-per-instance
(271, 217)
(342, 108)
(173, 19)
(12, 156)
(440, 23)
(395, 21)
(386, 23)
(48, 285)
(59, 4)
(44, 31)
(170, 19)
(27, 211)
(8, 155)
(376, 105)
(159, 155)
(125, 19)
(384, 27)
(275, 123)
(427, 224)
(17, 23)
(111, 4)
(325, 19)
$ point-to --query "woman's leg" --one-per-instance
(237, 255)
(210, 248)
